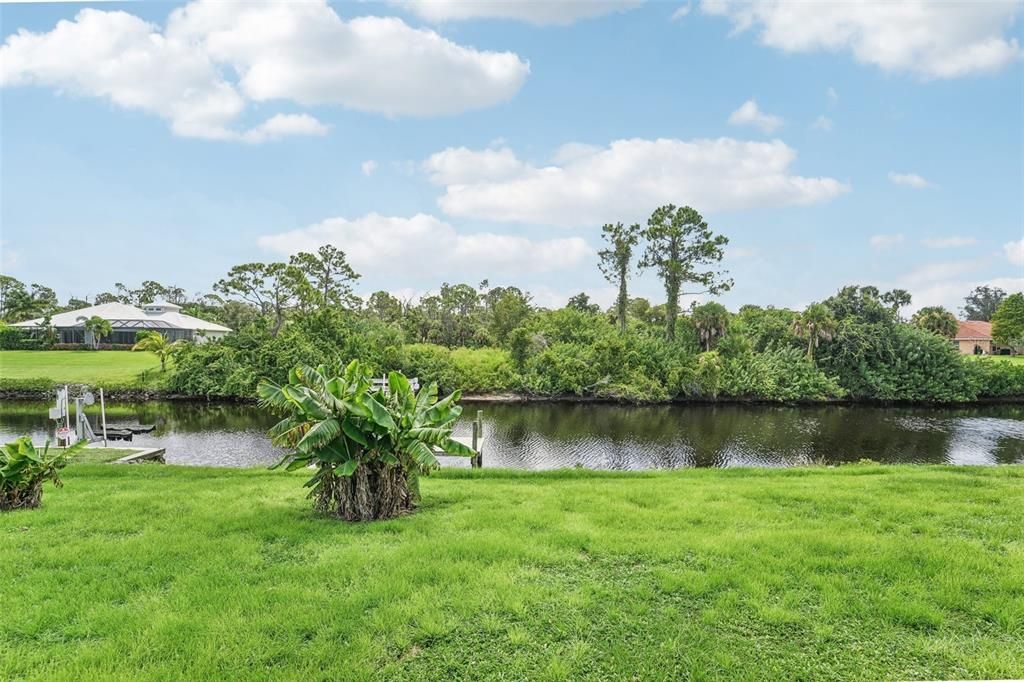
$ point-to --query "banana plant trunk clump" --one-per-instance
(373, 491)
(368, 447)
(24, 468)
(27, 497)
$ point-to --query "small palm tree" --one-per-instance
(815, 324)
(99, 328)
(158, 345)
(711, 321)
(936, 320)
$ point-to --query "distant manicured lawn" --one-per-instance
(96, 368)
(999, 358)
(863, 572)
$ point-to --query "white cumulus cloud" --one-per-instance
(624, 180)
(947, 283)
(930, 38)
(212, 59)
(750, 114)
(459, 165)
(1014, 252)
(909, 180)
(375, 241)
(537, 12)
(369, 167)
(283, 125)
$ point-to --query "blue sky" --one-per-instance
(833, 144)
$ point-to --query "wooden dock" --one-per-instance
(147, 455)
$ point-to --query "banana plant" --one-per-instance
(368, 447)
(24, 468)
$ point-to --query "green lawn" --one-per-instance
(1014, 359)
(101, 455)
(862, 572)
(96, 368)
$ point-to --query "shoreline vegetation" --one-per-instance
(43, 394)
(112, 370)
(853, 347)
(909, 572)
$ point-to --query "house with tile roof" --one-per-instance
(974, 337)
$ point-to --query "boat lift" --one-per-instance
(83, 430)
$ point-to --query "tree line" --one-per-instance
(488, 338)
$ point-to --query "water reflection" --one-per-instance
(544, 436)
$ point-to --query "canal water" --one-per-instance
(600, 436)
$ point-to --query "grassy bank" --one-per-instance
(109, 369)
(862, 572)
(1009, 359)
(101, 455)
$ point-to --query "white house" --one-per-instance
(127, 321)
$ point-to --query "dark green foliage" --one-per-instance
(711, 320)
(887, 361)
(476, 370)
(581, 302)
(329, 276)
(19, 303)
(778, 374)
(616, 263)
(1008, 322)
(16, 338)
(863, 304)
(234, 365)
(679, 245)
(936, 320)
(766, 328)
(981, 304)
(992, 378)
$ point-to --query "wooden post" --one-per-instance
(476, 439)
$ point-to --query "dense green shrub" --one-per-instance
(235, 364)
(992, 378)
(474, 370)
(16, 338)
(890, 361)
(779, 374)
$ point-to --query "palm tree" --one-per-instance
(815, 324)
(711, 321)
(158, 345)
(99, 328)
(936, 320)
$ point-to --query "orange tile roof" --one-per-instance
(973, 330)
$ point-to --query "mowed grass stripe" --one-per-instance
(862, 572)
(77, 366)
